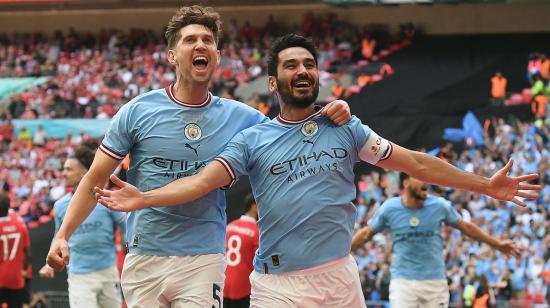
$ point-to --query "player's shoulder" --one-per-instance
(147, 99)
(390, 203)
(235, 108)
(62, 203)
(436, 201)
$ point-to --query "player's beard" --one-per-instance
(419, 194)
(302, 101)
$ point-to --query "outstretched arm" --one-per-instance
(507, 247)
(433, 170)
(129, 198)
(362, 236)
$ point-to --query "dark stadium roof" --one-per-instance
(33, 5)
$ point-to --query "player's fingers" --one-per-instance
(55, 261)
(117, 181)
(508, 166)
(529, 187)
(526, 195)
(104, 192)
(527, 177)
(519, 202)
(341, 119)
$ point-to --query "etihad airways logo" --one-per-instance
(305, 160)
(175, 168)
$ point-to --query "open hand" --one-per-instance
(508, 188)
(127, 199)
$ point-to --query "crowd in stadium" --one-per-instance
(96, 74)
(470, 264)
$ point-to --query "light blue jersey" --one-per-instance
(302, 179)
(167, 140)
(416, 233)
(92, 246)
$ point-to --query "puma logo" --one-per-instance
(307, 141)
(187, 145)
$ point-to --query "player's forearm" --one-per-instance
(190, 188)
(178, 192)
(436, 171)
(82, 204)
(362, 236)
(474, 232)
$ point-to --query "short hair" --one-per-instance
(4, 205)
(402, 177)
(84, 155)
(284, 42)
(248, 202)
(189, 15)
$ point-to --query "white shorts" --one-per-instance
(332, 284)
(95, 289)
(178, 281)
(406, 293)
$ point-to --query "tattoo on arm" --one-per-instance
(91, 193)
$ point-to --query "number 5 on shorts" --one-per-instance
(216, 296)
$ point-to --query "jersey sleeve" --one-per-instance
(452, 218)
(118, 140)
(235, 158)
(378, 222)
(370, 146)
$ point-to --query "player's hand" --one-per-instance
(127, 199)
(337, 111)
(509, 248)
(46, 272)
(507, 188)
(58, 256)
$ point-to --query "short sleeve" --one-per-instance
(378, 222)
(118, 140)
(235, 158)
(452, 218)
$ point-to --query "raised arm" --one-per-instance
(362, 236)
(129, 198)
(507, 247)
(433, 170)
(80, 207)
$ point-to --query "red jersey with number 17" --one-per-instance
(14, 239)
(241, 244)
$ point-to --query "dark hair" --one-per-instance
(402, 177)
(4, 205)
(189, 15)
(84, 155)
(284, 42)
(248, 202)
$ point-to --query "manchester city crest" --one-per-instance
(414, 221)
(192, 132)
(310, 128)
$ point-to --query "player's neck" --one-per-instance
(411, 202)
(292, 113)
(190, 93)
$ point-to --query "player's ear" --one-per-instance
(218, 57)
(272, 84)
(171, 56)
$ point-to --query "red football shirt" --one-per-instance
(14, 239)
(241, 244)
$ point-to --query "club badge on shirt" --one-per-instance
(310, 128)
(192, 132)
(414, 221)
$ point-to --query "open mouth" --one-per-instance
(200, 62)
(302, 84)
